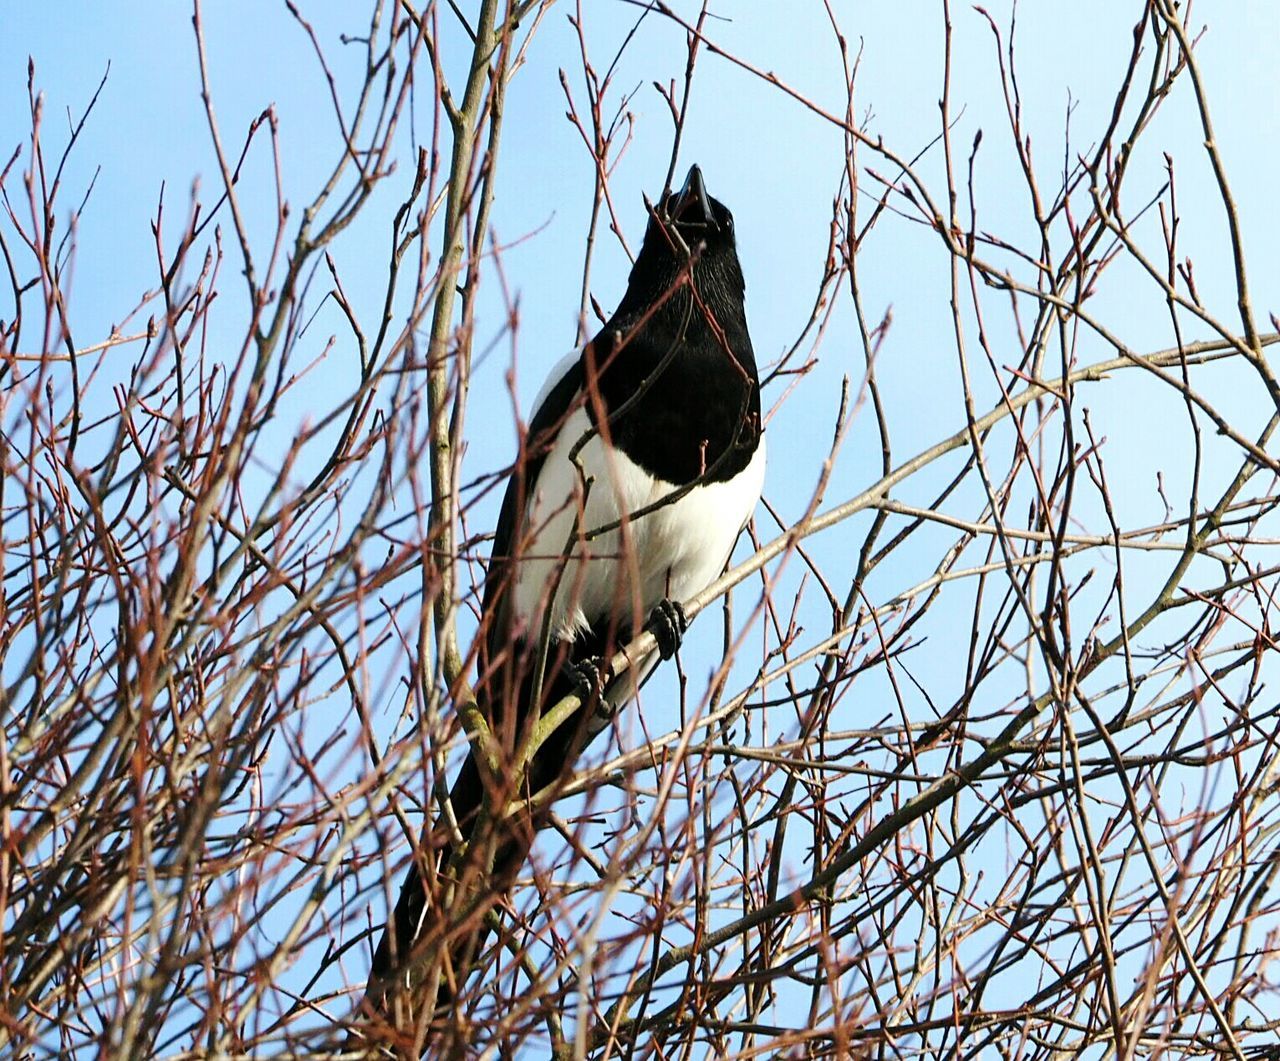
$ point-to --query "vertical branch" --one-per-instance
(444, 364)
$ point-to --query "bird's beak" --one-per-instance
(691, 205)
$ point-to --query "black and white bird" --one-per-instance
(643, 461)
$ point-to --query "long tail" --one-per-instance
(410, 932)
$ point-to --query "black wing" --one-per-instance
(547, 420)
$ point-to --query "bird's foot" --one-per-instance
(667, 622)
(589, 675)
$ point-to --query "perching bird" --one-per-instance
(643, 461)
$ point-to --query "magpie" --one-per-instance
(643, 460)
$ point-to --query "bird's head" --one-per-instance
(699, 221)
(690, 226)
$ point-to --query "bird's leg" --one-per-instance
(667, 622)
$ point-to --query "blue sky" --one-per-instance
(774, 162)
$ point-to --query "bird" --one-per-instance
(642, 462)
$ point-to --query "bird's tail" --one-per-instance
(418, 934)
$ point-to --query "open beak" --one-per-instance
(691, 205)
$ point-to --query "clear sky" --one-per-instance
(773, 161)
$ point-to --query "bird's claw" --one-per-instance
(667, 622)
(589, 677)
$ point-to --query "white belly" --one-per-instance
(619, 575)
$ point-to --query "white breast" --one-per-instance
(619, 575)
